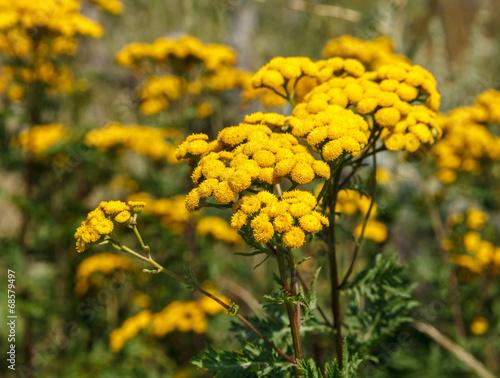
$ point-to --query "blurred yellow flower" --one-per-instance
(104, 263)
(374, 230)
(479, 326)
(219, 229)
(40, 137)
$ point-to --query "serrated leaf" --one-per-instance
(378, 302)
(303, 260)
(311, 297)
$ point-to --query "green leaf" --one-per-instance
(378, 302)
(332, 370)
(252, 361)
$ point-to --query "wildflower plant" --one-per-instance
(263, 169)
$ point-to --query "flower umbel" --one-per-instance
(100, 222)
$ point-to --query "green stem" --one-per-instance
(332, 263)
(194, 286)
(289, 96)
(322, 313)
(294, 287)
(357, 164)
(365, 221)
(145, 247)
(297, 341)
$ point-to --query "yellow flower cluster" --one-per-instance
(111, 6)
(187, 49)
(333, 132)
(468, 140)
(387, 94)
(219, 229)
(99, 222)
(374, 230)
(149, 141)
(475, 219)
(226, 78)
(373, 54)
(245, 155)
(172, 211)
(104, 263)
(129, 329)
(350, 202)
(57, 78)
(187, 316)
(480, 255)
(157, 91)
(40, 137)
(296, 77)
(61, 17)
(37, 32)
(182, 58)
(289, 218)
(182, 316)
(281, 72)
(7, 85)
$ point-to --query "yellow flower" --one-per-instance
(105, 263)
(283, 222)
(332, 150)
(374, 230)
(476, 218)
(263, 230)
(123, 216)
(383, 176)
(219, 229)
(294, 238)
(192, 200)
(479, 326)
(113, 207)
(302, 173)
(395, 142)
(129, 330)
(148, 141)
(310, 223)
(40, 137)
(238, 220)
(223, 193)
(272, 79)
(387, 117)
(204, 110)
(472, 241)
(239, 181)
(374, 53)
(366, 105)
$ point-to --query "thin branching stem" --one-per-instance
(332, 260)
(306, 290)
(365, 221)
(229, 308)
(291, 310)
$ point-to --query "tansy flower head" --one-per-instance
(99, 222)
(373, 54)
(251, 155)
(468, 139)
(333, 132)
(288, 219)
(385, 94)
